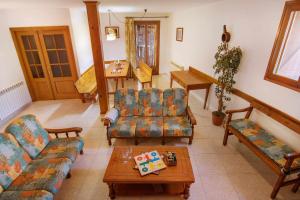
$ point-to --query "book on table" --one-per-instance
(149, 162)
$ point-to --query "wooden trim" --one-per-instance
(279, 41)
(96, 42)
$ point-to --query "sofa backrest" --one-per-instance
(150, 102)
(13, 159)
(30, 134)
(126, 101)
(174, 102)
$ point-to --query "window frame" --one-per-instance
(289, 7)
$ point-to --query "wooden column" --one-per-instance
(95, 33)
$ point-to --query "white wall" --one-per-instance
(112, 50)
(253, 26)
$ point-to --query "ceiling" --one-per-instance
(114, 5)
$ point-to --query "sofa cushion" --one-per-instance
(149, 127)
(126, 101)
(265, 141)
(62, 148)
(150, 102)
(177, 126)
(26, 195)
(174, 102)
(42, 174)
(13, 159)
(124, 127)
(30, 134)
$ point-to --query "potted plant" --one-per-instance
(226, 66)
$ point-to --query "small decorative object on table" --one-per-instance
(149, 162)
(170, 158)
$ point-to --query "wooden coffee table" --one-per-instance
(122, 179)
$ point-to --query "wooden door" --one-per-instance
(34, 66)
(147, 35)
(47, 60)
(60, 62)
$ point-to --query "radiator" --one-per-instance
(13, 99)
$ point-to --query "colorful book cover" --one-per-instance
(149, 162)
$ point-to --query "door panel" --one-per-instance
(60, 62)
(147, 43)
(35, 68)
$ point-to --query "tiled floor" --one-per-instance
(225, 173)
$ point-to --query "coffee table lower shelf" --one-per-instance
(117, 189)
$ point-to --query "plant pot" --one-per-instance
(218, 118)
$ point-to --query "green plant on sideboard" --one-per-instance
(226, 66)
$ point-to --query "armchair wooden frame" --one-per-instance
(65, 132)
(189, 114)
(281, 172)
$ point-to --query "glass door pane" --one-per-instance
(58, 55)
(32, 56)
(151, 45)
(140, 31)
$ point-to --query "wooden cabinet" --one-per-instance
(47, 60)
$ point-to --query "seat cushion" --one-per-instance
(124, 127)
(30, 134)
(149, 127)
(177, 126)
(150, 102)
(265, 141)
(13, 159)
(42, 174)
(26, 195)
(126, 101)
(174, 102)
(62, 148)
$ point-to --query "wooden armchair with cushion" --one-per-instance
(279, 156)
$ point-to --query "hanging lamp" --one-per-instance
(111, 33)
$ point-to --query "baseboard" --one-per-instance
(13, 115)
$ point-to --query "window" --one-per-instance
(284, 63)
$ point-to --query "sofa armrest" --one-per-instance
(289, 160)
(248, 109)
(110, 117)
(65, 131)
(191, 116)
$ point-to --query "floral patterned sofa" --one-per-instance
(150, 113)
(33, 165)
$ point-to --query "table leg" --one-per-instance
(171, 82)
(206, 97)
(122, 80)
(187, 96)
(112, 193)
(186, 193)
(117, 83)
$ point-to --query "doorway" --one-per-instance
(47, 60)
(147, 37)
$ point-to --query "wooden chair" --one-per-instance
(143, 74)
(86, 85)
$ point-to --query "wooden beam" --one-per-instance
(96, 42)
